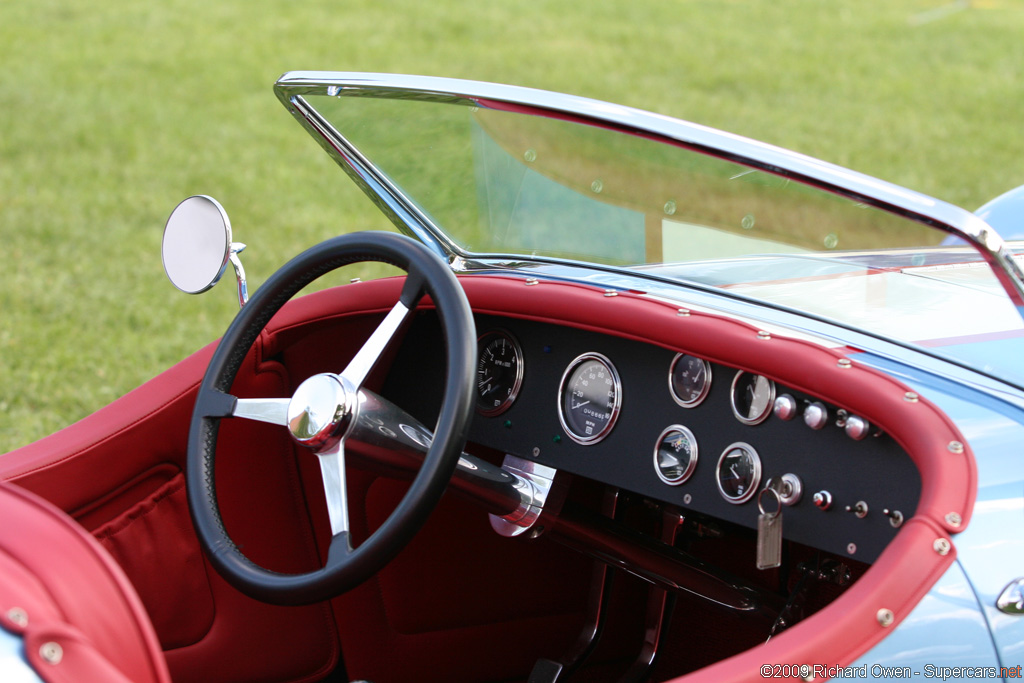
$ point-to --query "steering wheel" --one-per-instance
(323, 411)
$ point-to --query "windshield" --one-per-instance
(487, 178)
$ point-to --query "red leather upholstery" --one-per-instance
(72, 594)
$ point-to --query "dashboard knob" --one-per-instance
(822, 500)
(816, 415)
(857, 427)
(785, 407)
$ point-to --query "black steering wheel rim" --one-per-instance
(426, 273)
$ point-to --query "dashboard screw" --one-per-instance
(51, 652)
(942, 546)
(536, 451)
(851, 548)
(18, 616)
(885, 617)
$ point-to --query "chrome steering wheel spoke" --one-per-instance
(270, 410)
(332, 470)
(364, 360)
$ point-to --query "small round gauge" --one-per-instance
(675, 455)
(499, 372)
(589, 398)
(752, 397)
(739, 473)
(689, 380)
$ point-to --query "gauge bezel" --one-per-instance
(517, 350)
(694, 454)
(705, 389)
(756, 481)
(585, 440)
(768, 406)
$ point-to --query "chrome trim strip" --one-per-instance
(757, 155)
(399, 209)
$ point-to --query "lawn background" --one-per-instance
(112, 113)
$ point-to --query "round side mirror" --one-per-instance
(197, 244)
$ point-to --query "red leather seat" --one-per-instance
(80, 618)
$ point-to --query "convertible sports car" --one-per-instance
(650, 402)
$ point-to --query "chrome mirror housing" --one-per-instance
(197, 247)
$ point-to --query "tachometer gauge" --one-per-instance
(589, 398)
(689, 380)
(499, 372)
(675, 455)
(739, 473)
(752, 397)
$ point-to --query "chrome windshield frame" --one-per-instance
(292, 88)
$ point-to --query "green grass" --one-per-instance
(108, 117)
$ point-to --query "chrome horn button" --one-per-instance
(318, 411)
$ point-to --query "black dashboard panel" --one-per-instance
(874, 472)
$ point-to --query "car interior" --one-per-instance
(741, 495)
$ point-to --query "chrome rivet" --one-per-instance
(51, 652)
(530, 155)
(845, 363)
(670, 207)
(806, 672)
(851, 548)
(831, 240)
(610, 292)
(596, 186)
(954, 519)
(683, 312)
(18, 616)
(748, 222)
(764, 335)
(941, 546)
(955, 447)
(885, 617)
(536, 451)
(687, 498)
(355, 280)
(910, 397)
(531, 281)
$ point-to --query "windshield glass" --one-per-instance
(498, 180)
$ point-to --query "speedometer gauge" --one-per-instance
(589, 398)
(499, 372)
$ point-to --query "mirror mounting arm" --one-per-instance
(236, 263)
